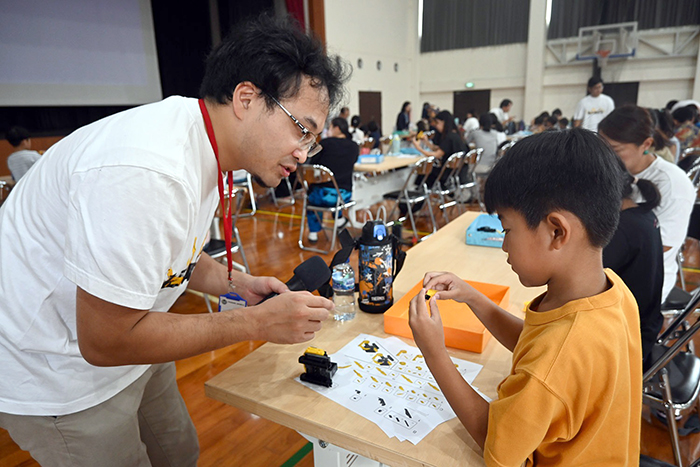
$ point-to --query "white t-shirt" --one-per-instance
(21, 161)
(677, 199)
(120, 208)
(592, 110)
(500, 114)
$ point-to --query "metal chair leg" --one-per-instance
(671, 417)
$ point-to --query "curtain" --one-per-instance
(570, 15)
(460, 24)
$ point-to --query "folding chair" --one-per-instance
(447, 182)
(672, 382)
(243, 179)
(470, 161)
(216, 248)
(312, 175)
(291, 201)
(420, 170)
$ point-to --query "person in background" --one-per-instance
(339, 154)
(358, 135)
(374, 132)
(670, 104)
(450, 143)
(502, 112)
(551, 123)
(686, 130)
(635, 253)
(538, 123)
(576, 377)
(557, 113)
(498, 128)
(593, 108)
(403, 120)
(425, 114)
(664, 125)
(344, 113)
(21, 160)
(120, 213)
(486, 138)
(630, 132)
(661, 146)
(470, 124)
(563, 123)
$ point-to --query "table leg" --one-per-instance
(328, 455)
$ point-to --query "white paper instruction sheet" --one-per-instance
(388, 382)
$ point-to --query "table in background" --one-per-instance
(372, 181)
(263, 382)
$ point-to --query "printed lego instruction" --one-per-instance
(388, 382)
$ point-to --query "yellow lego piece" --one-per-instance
(315, 351)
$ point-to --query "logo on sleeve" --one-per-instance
(176, 280)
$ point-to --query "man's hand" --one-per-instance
(450, 287)
(426, 326)
(255, 288)
(288, 318)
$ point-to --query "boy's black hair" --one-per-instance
(557, 112)
(16, 135)
(505, 103)
(275, 55)
(570, 170)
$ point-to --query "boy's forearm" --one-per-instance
(505, 327)
(471, 409)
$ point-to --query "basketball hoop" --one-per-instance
(602, 57)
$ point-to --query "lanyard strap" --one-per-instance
(227, 215)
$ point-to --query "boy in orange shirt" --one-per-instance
(574, 393)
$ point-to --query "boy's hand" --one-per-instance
(449, 286)
(426, 325)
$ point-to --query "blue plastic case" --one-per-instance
(485, 230)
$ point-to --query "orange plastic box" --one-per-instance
(463, 330)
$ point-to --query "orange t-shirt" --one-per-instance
(574, 394)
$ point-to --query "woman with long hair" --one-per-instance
(403, 120)
(450, 143)
(630, 132)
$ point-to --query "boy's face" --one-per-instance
(526, 247)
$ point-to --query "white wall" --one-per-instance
(386, 31)
(502, 69)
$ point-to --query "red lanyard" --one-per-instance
(227, 216)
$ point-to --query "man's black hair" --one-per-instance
(593, 81)
(571, 170)
(16, 135)
(505, 103)
(275, 55)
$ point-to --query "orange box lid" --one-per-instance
(463, 330)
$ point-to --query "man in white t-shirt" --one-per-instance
(20, 161)
(593, 108)
(108, 229)
(501, 112)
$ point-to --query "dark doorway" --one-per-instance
(371, 107)
(622, 93)
(466, 100)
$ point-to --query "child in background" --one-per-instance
(574, 394)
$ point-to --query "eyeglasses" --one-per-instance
(308, 139)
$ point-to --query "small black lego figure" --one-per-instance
(319, 367)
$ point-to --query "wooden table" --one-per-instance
(389, 163)
(263, 382)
